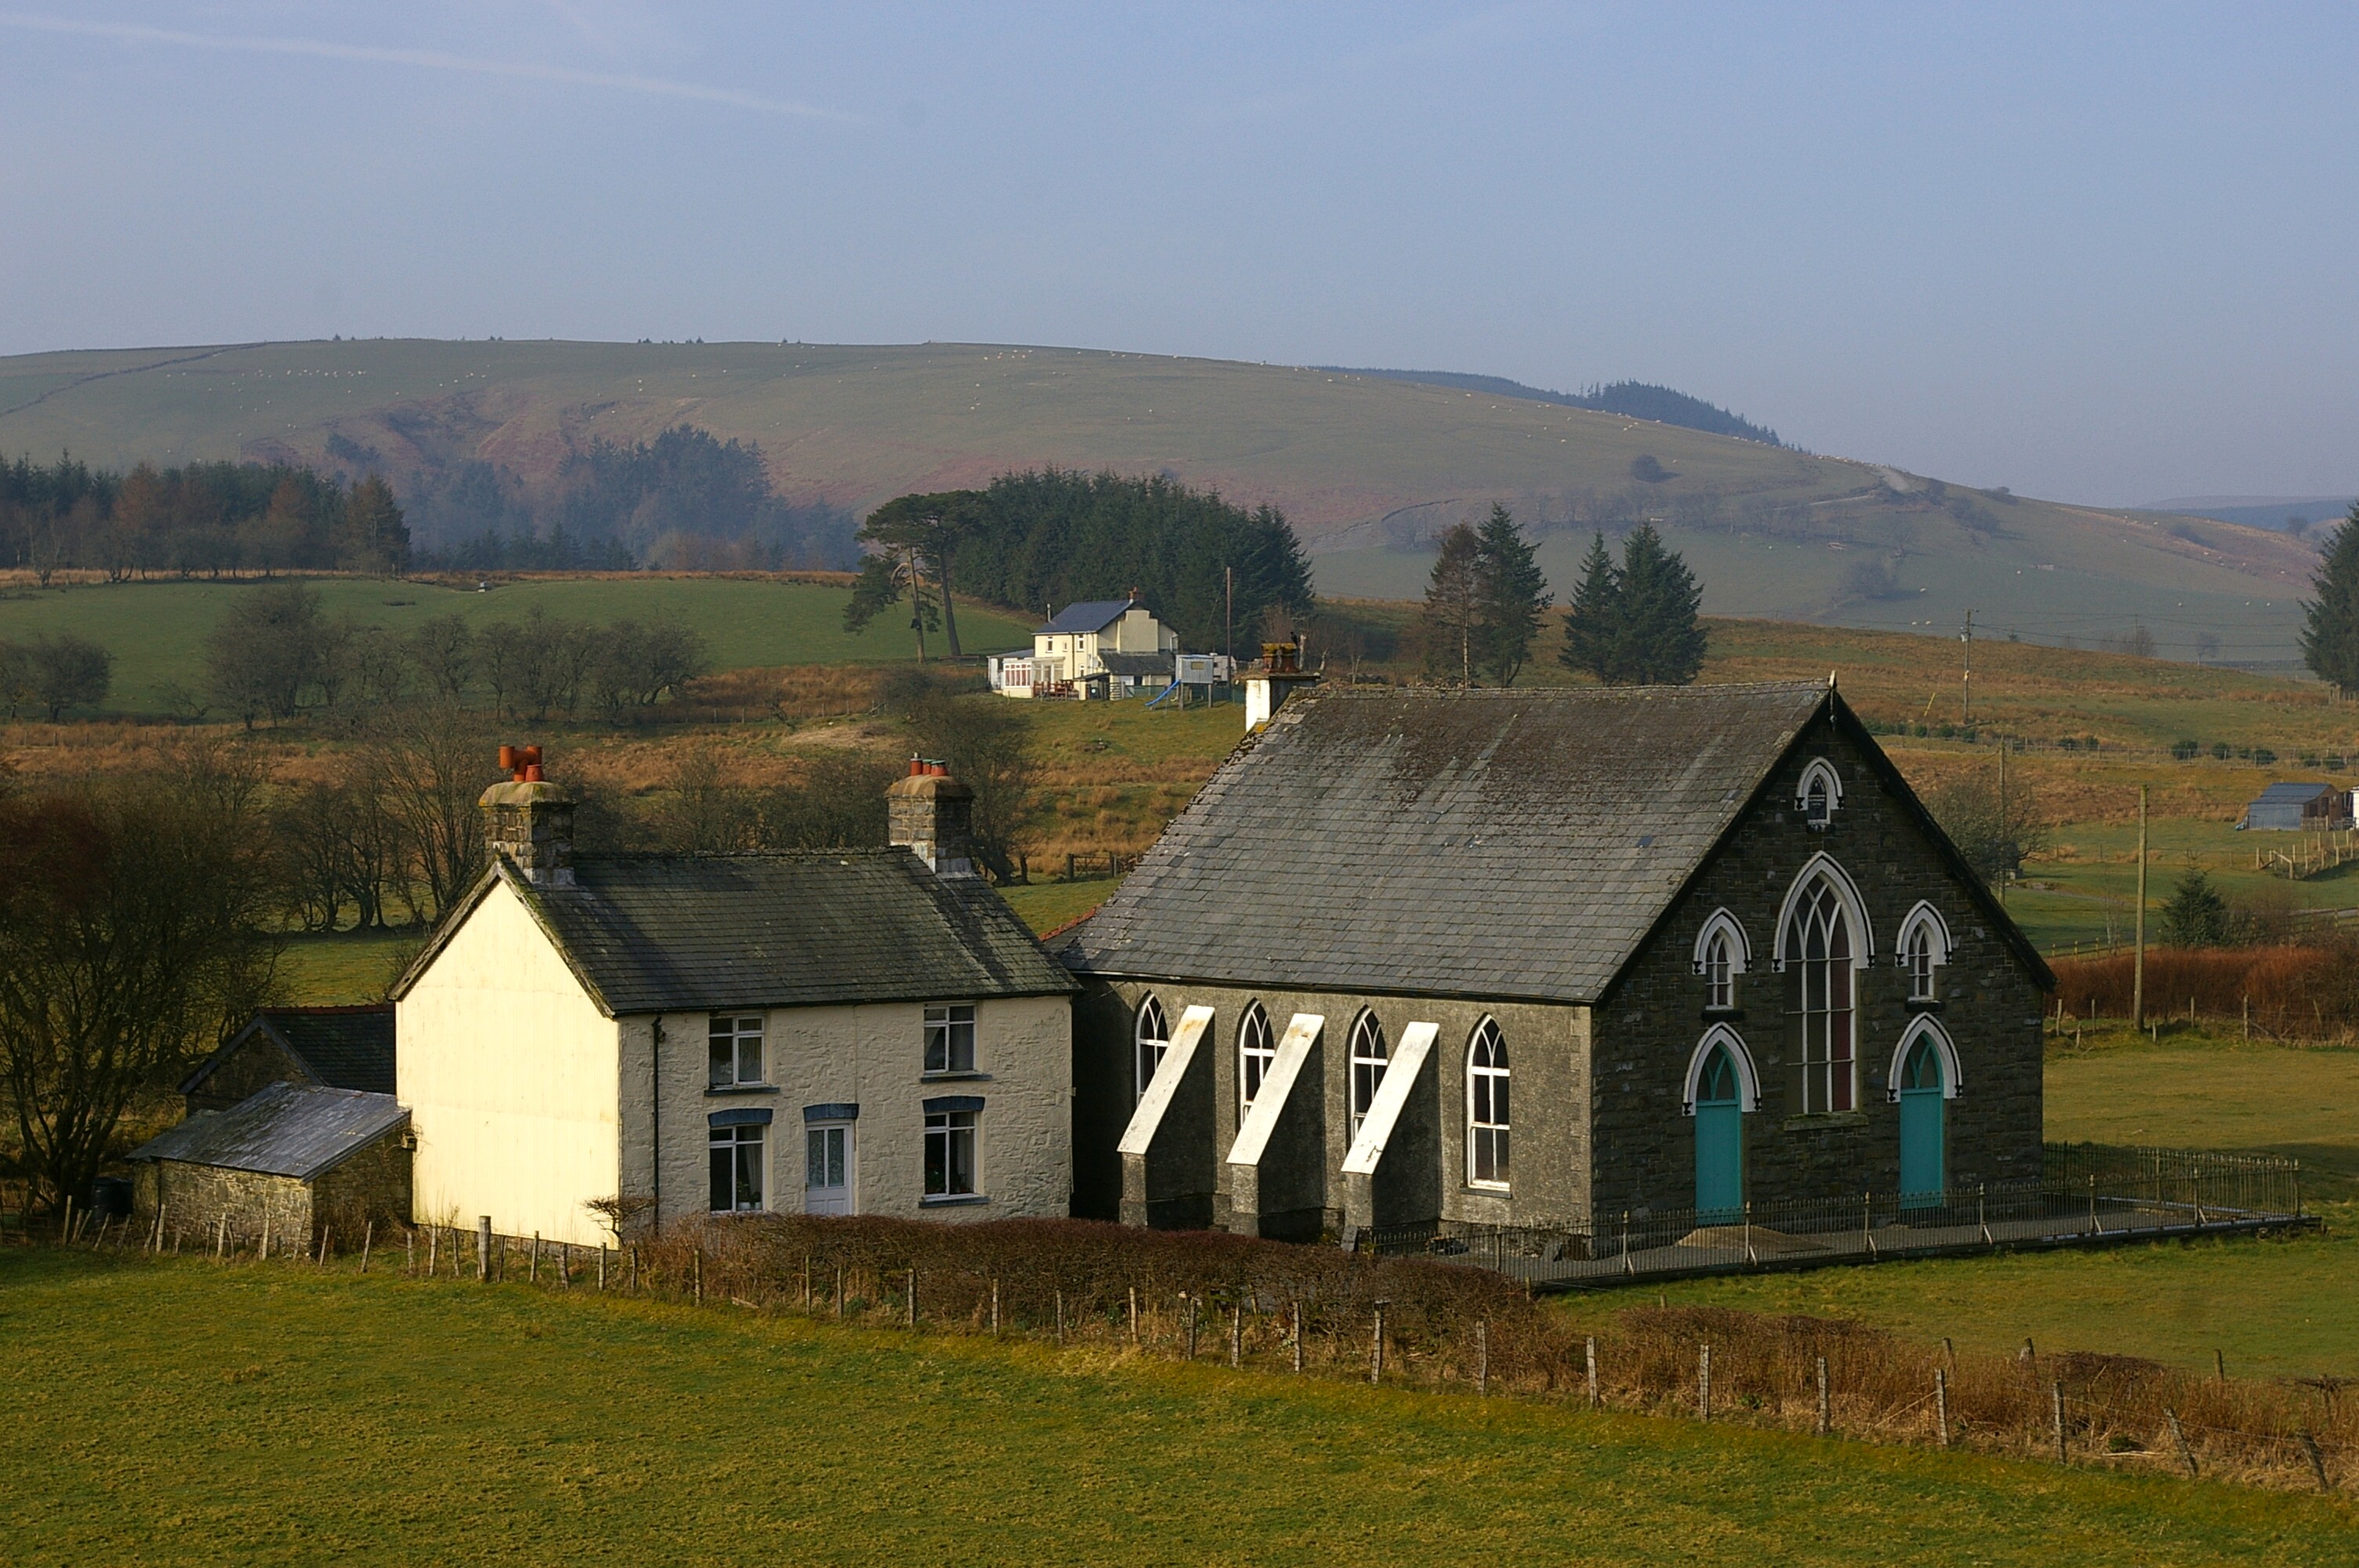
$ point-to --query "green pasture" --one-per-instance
(156, 629)
(2272, 1307)
(2088, 894)
(184, 1412)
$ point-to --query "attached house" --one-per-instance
(1538, 959)
(643, 1038)
(337, 1047)
(1105, 648)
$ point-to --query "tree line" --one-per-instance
(1631, 623)
(204, 519)
(1050, 537)
(277, 655)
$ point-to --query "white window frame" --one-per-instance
(1924, 1027)
(1830, 1019)
(1923, 949)
(1367, 1069)
(1748, 1076)
(950, 1038)
(949, 1128)
(1723, 932)
(1821, 772)
(1150, 1035)
(744, 1145)
(738, 1029)
(1489, 1109)
(817, 1136)
(1257, 1052)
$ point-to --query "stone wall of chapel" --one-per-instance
(1547, 1051)
(1989, 1001)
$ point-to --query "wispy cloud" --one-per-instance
(422, 59)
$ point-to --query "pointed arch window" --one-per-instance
(1486, 1107)
(1817, 947)
(1152, 1034)
(1256, 1051)
(1721, 955)
(1924, 949)
(1369, 1054)
(1819, 793)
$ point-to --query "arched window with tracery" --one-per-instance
(1369, 1054)
(1255, 1052)
(1719, 971)
(1153, 1035)
(1818, 952)
(1486, 1107)
(1919, 957)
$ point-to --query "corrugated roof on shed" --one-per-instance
(303, 1131)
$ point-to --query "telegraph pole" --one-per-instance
(1966, 676)
(2138, 973)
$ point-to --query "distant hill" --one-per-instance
(2292, 512)
(1637, 399)
(1369, 468)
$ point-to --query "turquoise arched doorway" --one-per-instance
(1924, 1093)
(1720, 1140)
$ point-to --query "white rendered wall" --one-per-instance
(871, 1057)
(509, 1072)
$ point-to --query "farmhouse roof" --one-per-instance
(303, 1131)
(1505, 844)
(344, 1047)
(687, 933)
(1092, 615)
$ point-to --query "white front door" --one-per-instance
(827, 1167)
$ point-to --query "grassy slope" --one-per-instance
(156, 629)
(189, 1413)
(2275, 1307)
(1363, 465)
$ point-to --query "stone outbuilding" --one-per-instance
(337, 1047)
(595, 1039)
(1538, 959)
(286, 1161)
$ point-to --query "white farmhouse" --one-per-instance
(840, 1032)
(1104, 647)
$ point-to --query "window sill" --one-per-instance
(954, 1200)
(733, 1090)
(1486, 1189)
(969, 1077)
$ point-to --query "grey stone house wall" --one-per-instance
(371, 1184)
(1988, 1001)
(1548, 1052)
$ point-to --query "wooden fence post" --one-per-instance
(913, 1299)
(1941, 1404)
(1703, 1382)
(1376, 1358)
(995, 1309)
(2317, 1460)
(532, 1269)
(1236, 1334)
(2056, 1413)
(1133, 1315)
(1190, 1297)
(1588, 1357)
(368, 1239)
(1298, 1336)
(1482, 1357)
(1060, 1316)
(1826, 1404)
(2186, 1454)
(696, 1271)
(484, 1248)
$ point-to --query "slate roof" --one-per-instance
(691, 932)
(344, 1047)
(1505, 844)
(303, 1131)
(1093, 615)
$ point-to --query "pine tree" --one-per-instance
(1453, 606)
(372, 537)
(2196, 916)
(1512, 590)
(2330, 634)
(1663, 640)
(1593, 622)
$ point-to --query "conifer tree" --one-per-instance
(1663, 639)
(372, 537)
(2329, 633)
(1592, 623)
(1451, 624)
(2196, 916)
(1513, 596)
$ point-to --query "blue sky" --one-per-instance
(2102, 253)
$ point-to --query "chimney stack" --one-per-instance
(931, 814)
(529, 821)
(1269, 686)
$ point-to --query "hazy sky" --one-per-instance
(2101, 254)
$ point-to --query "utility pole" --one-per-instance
(1966, 676)
(2006, 824)
(1229, 624)
(2138, 973)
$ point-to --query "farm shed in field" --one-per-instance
(338, 1047)
(2299, 808)
(292, 1157)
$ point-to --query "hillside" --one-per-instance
(1369, 467)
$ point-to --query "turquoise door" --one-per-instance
(1720, 1142)
(1923, 1164)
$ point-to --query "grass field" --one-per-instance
(1363, 465)
(2273, 1308)
(156, 629)
(184, 1412)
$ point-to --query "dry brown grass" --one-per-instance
(2294, 992)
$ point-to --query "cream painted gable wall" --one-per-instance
(511, 1076)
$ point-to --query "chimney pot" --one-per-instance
(507, 759)
(529, 821)
(532, 772)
